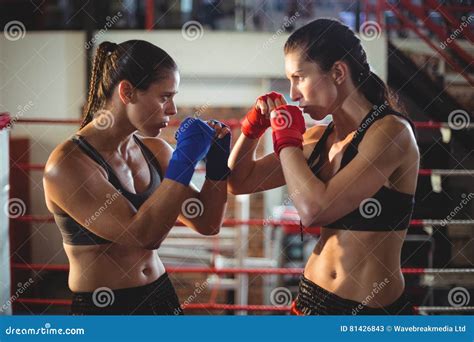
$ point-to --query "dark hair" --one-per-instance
(326, 41)
(137, 61)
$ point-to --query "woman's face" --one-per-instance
(310, 86)
(151, 111)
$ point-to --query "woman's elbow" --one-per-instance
(209, 230)
(310, 215)
(152, 246)
(235, 187)
(151, 239)
(231, 189)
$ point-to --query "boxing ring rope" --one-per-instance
(291, 224)
(227, 222)
(263, 222)
(235, 270)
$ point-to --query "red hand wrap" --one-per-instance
(255, 123)
(288, 127)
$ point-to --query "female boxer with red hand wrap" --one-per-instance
(354, 177)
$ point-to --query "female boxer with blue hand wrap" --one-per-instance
(116, 188)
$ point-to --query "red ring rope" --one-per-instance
(235, 270)
(289, 225)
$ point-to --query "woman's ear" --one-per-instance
(339, 72)
(126, 92)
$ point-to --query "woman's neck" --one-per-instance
(111, 133)
(348, 117)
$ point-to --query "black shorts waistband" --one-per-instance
(312, 299)
(156, 298)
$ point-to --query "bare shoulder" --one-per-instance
(391, 129)
(67, 160)
(390, 139)
(393, 121)
(59, 158)
(66, 165)
(160, 149)
(157, 145)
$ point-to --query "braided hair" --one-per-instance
(137, 61)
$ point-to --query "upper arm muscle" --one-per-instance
(81, 190)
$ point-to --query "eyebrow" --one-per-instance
(293, 74)
(169, 93)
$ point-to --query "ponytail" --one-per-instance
(94, 100)
(374, 89)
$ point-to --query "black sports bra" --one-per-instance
(75, 234)
(387, 209)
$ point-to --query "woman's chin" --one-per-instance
(149, 133)
(315, 114)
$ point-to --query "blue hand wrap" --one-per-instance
(193, 141)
